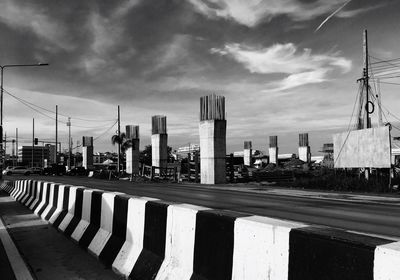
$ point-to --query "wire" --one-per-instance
(34, 109)
(101, 135)
(397, 84)
(348, 128)
(28, 104)
(383, 61)
(60, 114)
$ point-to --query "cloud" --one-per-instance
(299, 79)
(27, 17)
(355, 12)
(302, 67)
(253, 12)
(281, 58)
(108, 38)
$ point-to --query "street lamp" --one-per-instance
(2, 67)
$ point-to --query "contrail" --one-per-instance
(331, 15)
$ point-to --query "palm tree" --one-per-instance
(123, 143)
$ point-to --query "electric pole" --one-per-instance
(69, 143)
(367, 120)
(33, 138)
(55, 156)
(119, 142)
(16, 142)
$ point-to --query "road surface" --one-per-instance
(365, 215)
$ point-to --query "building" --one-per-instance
(40, 154)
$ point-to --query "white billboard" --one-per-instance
(362, 148)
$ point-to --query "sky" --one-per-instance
(157, 57)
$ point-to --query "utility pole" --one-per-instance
(16, 142)
(367, 120)
(2, 67)
(69, 143)
(13, 151)
(55, 156)
(119, 144)
(5, 144)
(33, 138)
(378, 96)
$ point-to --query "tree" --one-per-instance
(122, 140)
(124, 143)
(145, 155)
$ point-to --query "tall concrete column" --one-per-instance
(159, 142)
(212, 130)
(273, 149)
(247, 153)
(87, 152)
(132, 153)
(304, 148)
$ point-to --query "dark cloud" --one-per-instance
(155, 56)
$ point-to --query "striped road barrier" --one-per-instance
(147, 238)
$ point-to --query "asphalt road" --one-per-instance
(381, 218)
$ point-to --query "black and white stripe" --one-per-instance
(144, 238)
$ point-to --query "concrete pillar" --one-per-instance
(273, 149)
(87, 152)
(247, 153)
(132, 153)
(212, 130)
(304, 148)
(159, 142)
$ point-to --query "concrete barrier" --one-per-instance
(145, 238)
(53, 193)
(317, 252)
(387, 262)
(261, 248)
(106, 221)
(44, 199)
(71, 209)
(28, 192)
(74, 214)
(33, 194)
(95, 216)
(7, 186)
(19, 190)
(179, 247)
(38, 197)
(118, 227)
(153, 251)
(57, 205)
(15, 189)
(133, 245)
(85, 220)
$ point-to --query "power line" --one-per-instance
(30, 105)
(51, 111)
(397, 84)
(101, 135)
(360, 91)
(383, 61)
